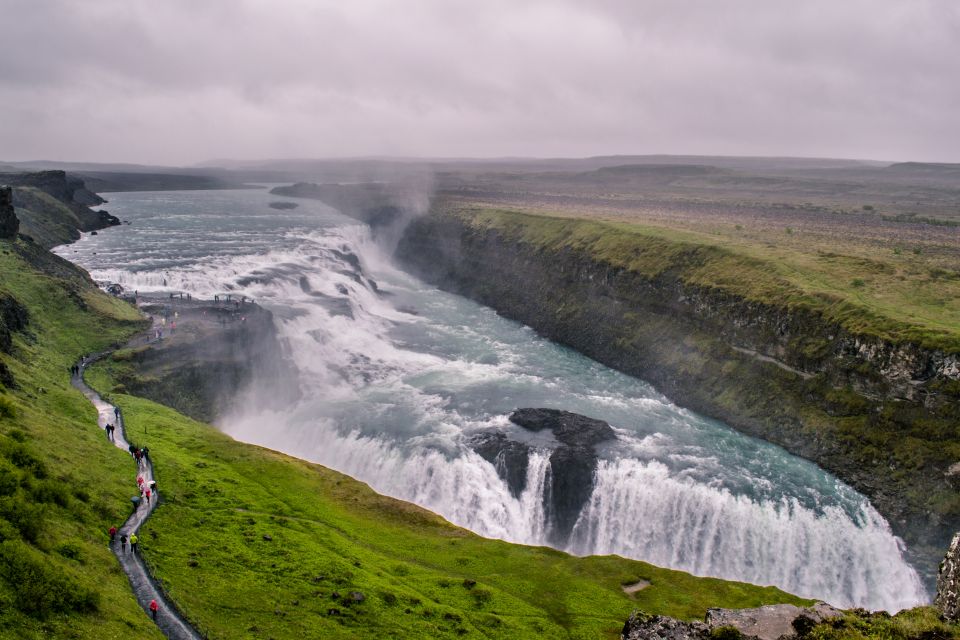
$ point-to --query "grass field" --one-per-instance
(898, 296)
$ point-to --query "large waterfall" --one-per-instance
(397, 376)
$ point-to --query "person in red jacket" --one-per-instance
(153, 609)
(113, 534)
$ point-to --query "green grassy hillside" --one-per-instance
(61, 484)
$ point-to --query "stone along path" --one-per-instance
(169, 621)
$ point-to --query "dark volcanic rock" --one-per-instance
(283, 205)
(572, 465)
(640, 626)
(9, 223)
(106, 219)
(509, 458)
(569, 428)
(770, 622)
(948, 583)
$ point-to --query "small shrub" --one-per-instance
(41, 588)
(858, 283)
(897, 251)
(868, 207)
(917, 251)
(789, 230)
(70, 550)
(481, 596)
(25, 516)
(21, 456)
(726, 633)
(9, 480)
(8, 410)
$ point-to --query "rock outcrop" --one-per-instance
(770, 622)
(9, 223)
(511, 459)
(948, 583)
(54, 207)
(573, 462)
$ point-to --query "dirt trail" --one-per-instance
(169, 620)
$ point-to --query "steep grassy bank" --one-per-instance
(61, 485)
(871, 397)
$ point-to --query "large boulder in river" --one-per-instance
(572, 464)
(572, 429)
(9, 223)
(948, 583)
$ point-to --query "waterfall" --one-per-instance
(397, 376)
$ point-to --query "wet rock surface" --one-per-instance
(511, 459)
(572, 429)
(948, 583)
(572, 464)
(770, 622)
(640, 626)
(570, 479)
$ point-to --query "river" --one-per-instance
(396, 375)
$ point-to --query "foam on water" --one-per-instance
(394, 383)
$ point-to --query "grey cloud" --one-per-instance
(180, 81)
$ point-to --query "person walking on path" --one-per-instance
(153, 609)
(147, 492)
(123, 543)
(134, 540)
(116, 413)
(113, 535)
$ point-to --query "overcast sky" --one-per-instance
(181, 81)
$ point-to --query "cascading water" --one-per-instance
(397, 377)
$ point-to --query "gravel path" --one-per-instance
(169, 621)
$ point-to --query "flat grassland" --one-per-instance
(877, 250)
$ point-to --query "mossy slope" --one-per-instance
(61, 484)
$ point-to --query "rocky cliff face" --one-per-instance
(771, 622)
(54, 207)
(9, 223)
(948, 583)
(873, 413)
(215, 354)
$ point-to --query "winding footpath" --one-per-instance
(168, 619)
